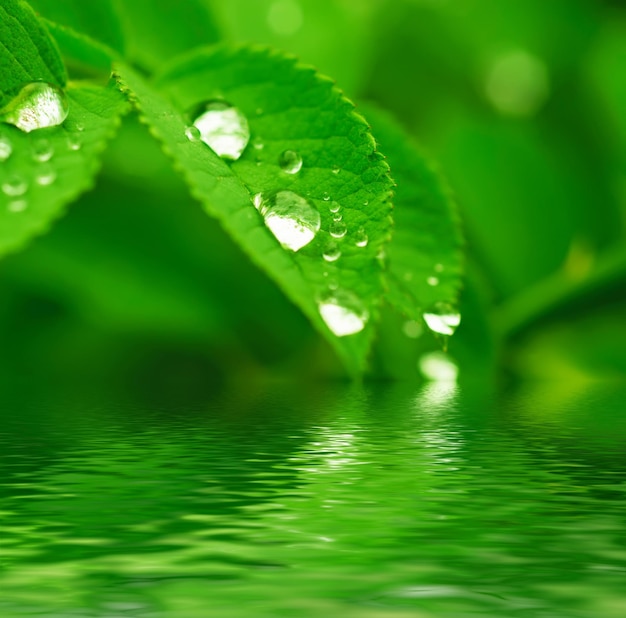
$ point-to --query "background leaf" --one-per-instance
(96, 18)
(158, 30)
(48, 168)
(425, 257)
(27, 53)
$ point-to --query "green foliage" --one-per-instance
(529, 129)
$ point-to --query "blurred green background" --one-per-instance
(523, 105)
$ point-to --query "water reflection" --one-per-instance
(351, 502)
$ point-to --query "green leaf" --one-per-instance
(27, 53)
(48, 168)
(94, 18)
(425, 256)
(288, 107)
(158, 30)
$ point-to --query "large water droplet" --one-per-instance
(42, 150)
(343, 312)
(36, 106)
(291, 218)
(223, 128)
(14, 186)
(290, 162)
(332, 252)
(442, 319)
(338, 229)
(5, 148)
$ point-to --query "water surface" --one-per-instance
(361, 502)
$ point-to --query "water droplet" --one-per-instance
(439, 268)
(433, 281)
(290, 162)
(46, 175)
(326, 197)
(223, 128)
(332, 252)
(336, 170)
(17, 206)
(258, 144)
(36, 106)
(291, 218)
(442, 319)
(343, 312)
(338, 229)
(5, 148)
(74, 142)
(517, 83)
(412, 329)
(337, 217)
(439, 367)
(14, 186)
(366, 202)
(285, 17)
(334, 207)
(42, 150)
(79, 126)
(361, 238)
(192, 133)
(381, 256)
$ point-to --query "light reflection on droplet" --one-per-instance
(442, 319)
(36, 106)
(290, 162)
(343, 312)
(223, 128)
(292, 219)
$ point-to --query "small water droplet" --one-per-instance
(46, 175)
(258, 144)
(192, 133)
(439, 268)
(433, 281)
(332, 252)
(326, 197)
(17, 206)
(79, 126)
(336, 170)
(290, 162)
(334, 207)
(223, 128)
(36, 106)
(366, 202)
(338, 229)
(381, 256)
(257, 200)
(291, 218)
(361, 238)
(343, 312)
(337, 217)
(14, 186)
(74, 142)
(5, 148)
(42, 150)
(412, 329)
(442, 319)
